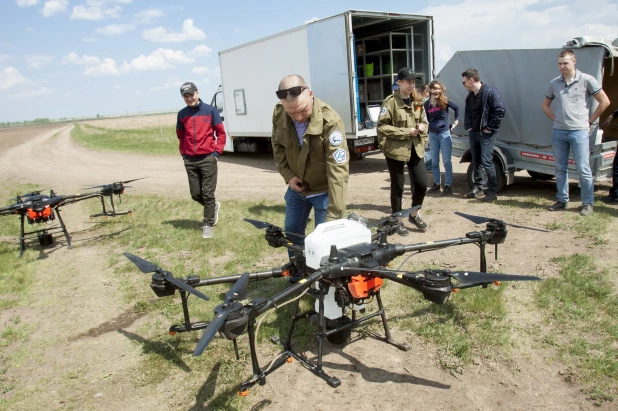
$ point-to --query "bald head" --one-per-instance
(293, 80)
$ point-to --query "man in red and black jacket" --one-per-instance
(201, 138)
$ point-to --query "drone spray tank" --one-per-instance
(340, 233)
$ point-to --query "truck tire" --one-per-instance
(356, 156)
(540, 176)
(501, 180)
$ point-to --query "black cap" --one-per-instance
(407, 73)
(188, 87)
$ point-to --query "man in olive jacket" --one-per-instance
(402, 133)
(311, 154)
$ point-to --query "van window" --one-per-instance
(217, 101)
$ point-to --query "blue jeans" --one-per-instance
(482, 150)
(297, 209)
(577, 140)
(441, 142)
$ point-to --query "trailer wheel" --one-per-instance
(501, 179)
(540, 176)
(356, 156)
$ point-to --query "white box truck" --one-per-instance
(522, 77)
(348, 60)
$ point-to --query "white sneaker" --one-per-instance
(207, 231)
(217, 207)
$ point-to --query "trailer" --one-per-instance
(348, 60)
(522, 77)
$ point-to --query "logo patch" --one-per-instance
(340, 156)
(383, 111)
(335, 138)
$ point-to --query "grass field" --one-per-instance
(579, 307)
(153, 140)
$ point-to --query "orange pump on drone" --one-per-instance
(44, 215)
(363, 286)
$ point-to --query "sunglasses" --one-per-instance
(293, 91)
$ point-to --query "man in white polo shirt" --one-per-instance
(570, 95)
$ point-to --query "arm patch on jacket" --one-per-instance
(335, 138)
(340, 156)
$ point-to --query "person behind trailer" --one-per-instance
(612, 197)
(570, 94)
(311, 154)
(402, 134)
(440, 135)
(483, 114)
(201, 138)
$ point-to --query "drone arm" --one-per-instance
(433, 245)
(288, 292)
(274, 273)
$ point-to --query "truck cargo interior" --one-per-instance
(383, 45)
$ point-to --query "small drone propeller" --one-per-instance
(230, 304)
(480, 220)
(406, 213)
(116, 182)
(148, 267)
(263, 224)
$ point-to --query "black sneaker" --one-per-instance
(434, 188)
(447, 191)
(558, 205)
(490, 198)
(402, 230)
(610, 199)
(416, 220)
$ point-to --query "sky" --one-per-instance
(74, 58)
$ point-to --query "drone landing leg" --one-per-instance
(64, 229)
(402, 346)
(483, 258)
(185, 310)
(22, 240)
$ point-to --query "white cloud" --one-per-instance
(147, 16)
(84, 59)
(199, 51)
(538, 24)
(10, 77)
(160, 59)
(200, 70)
(106, 68)
(29, 29)
(27, 3)
(89, 39)
(5, 57)
(52, 7)
(311, 20)
(189, 32)
(22, 95)
(115, 29)
(38, 61)
(118, 87)
(95, 13)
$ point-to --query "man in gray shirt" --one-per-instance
(571, 94)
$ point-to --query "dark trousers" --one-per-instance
(202, 184)
(418, 180)
(482, 150)
(614, 190)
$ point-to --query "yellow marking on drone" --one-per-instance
(302, 281)
(399, 275)
(429, 242)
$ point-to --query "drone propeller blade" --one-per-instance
(184, 286)
(144, 266)
(474, 218)
(258, 224)
(405, 213)
(239, 289)
(210, 331)
(480, 220)
(529, 228)
(135, 179)
(475, 277)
